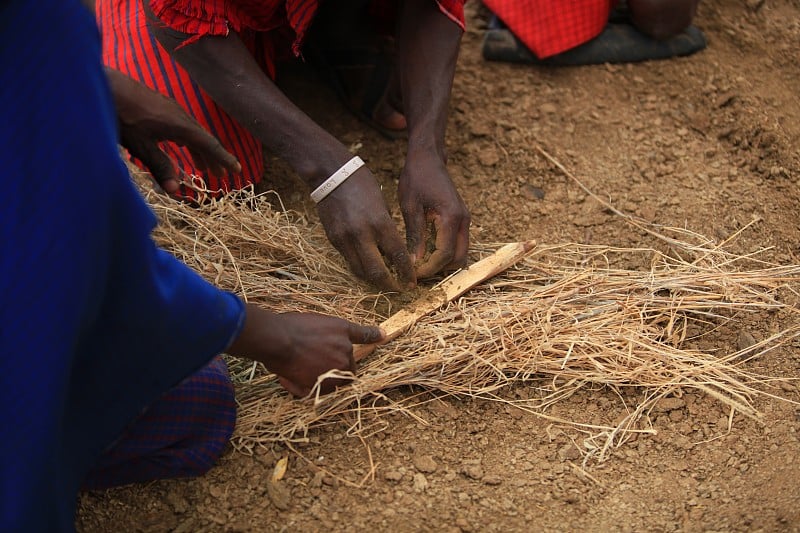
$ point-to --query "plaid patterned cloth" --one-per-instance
(548, 27)
(269, 28)
(183, 434)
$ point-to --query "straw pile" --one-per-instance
(569, 316)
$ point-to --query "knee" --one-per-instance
(662, 19)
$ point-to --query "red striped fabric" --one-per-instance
(129, 48)
(547, 27)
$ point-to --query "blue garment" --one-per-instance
(95, 321)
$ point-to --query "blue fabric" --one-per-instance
(95, 321)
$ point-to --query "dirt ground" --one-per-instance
(711, 143)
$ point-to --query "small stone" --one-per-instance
(532, 192)
(392, 475)
(745, 340)
(488, 157)
(177, 502)
(462, 524)
(425, 464)
(569, 452)
(473, 472)
(665, 405)
(548, 109)
(420, 482)
(279, 495)
(492, 480)
(480, 129)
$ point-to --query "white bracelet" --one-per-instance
(336, 179)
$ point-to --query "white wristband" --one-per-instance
(336, 179)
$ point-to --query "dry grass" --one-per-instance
(570, 316)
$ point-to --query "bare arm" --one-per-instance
(428, 50)
(355, 216)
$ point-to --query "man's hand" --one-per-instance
(358, 224)
(300, 347)
(428, 44)
(428, 197)
(147, 118)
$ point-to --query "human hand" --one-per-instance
(428, 196)
(300, 347)
(147, 118)
(358, 224)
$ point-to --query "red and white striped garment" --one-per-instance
(271, 29)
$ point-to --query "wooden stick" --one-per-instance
(449, 290)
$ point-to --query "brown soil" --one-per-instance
(711, 143)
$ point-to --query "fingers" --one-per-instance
(157, 162)
(399, 258)
(416, 231)
(206, 150)
(366, 261)
(359, 334)
(462, 246)
(452, 242)
(375, 269)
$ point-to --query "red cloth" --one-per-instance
(549, 27)
(218, 17)
(129, 47)
(269, 28)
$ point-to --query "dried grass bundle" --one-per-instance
(569, 316)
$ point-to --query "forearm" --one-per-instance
(225, 69)
(425, 32)
(256, 333)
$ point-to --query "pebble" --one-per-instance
(473, 472)
(316, 481)
(744, 340)
(480, 129)
(665, 405)
(425, 464)
(548, 109)
(279, 495)
(531, 192)
(493, 480)
(488, 156)
(177, 502)
(392, 475)
(420, 482)
(569, 452)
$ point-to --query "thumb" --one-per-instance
(364, 334)
(290, 386)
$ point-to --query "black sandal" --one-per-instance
(619, 42)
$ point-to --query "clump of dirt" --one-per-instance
(709, 142)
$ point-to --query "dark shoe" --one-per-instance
(619, 43)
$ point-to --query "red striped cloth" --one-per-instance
(269, 28)
(130, 48)
(547, 27)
